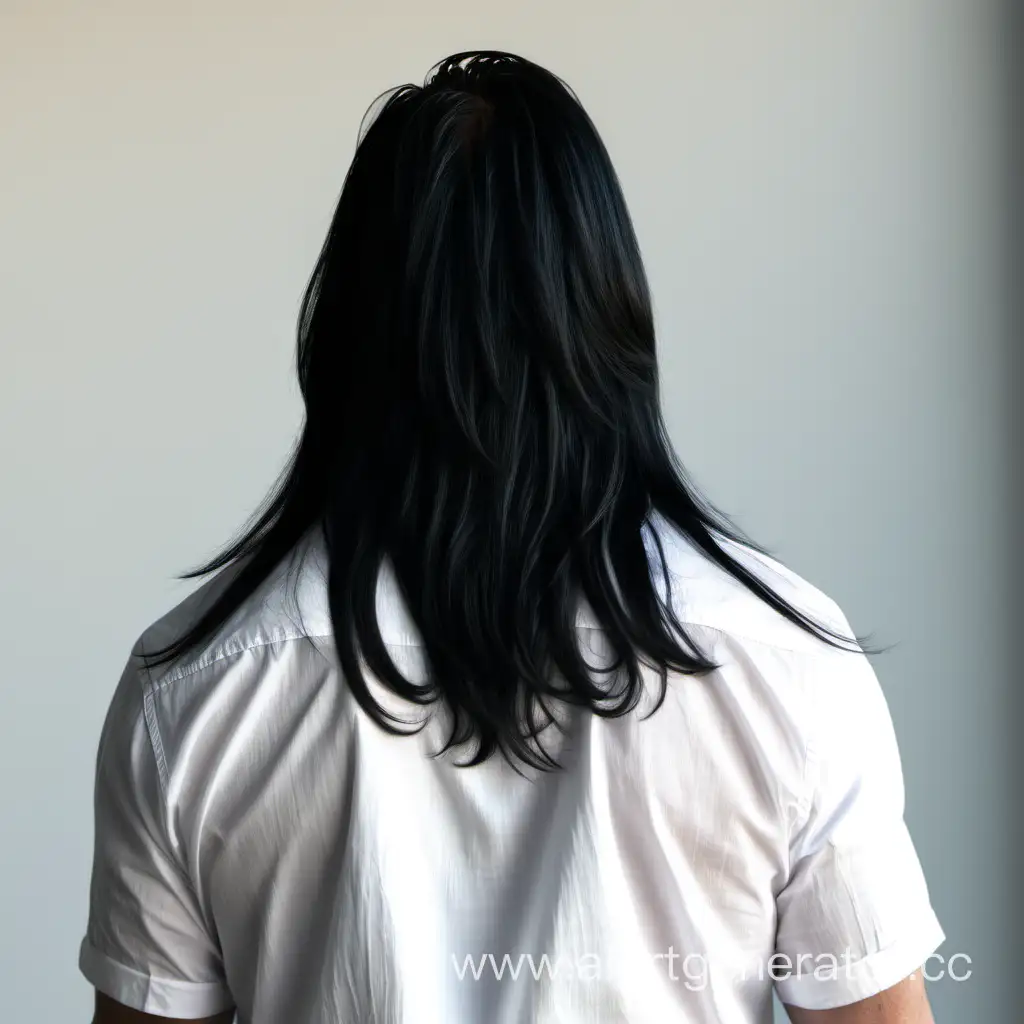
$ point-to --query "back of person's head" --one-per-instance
(477, 360)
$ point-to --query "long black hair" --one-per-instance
(476, 354)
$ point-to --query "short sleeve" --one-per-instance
(146, 943)
(854, 917)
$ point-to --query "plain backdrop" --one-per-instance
(822, 194)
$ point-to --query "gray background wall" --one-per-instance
(822, 194)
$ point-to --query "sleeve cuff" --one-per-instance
(165, 997)
(853, 981)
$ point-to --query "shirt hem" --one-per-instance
(866, 977)
(164, 997)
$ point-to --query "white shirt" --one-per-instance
(260, 842)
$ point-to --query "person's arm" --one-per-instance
(110, 1012)
(855, 922)
(904, 1003)
(150, 948)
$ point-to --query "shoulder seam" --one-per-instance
(771, 644)
(192, 667)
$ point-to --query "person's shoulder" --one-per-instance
(288, 604)
(705, 594)
(799, 687)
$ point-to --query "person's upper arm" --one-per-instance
(854, 918)
(148, 945)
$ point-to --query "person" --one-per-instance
(488, 715)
